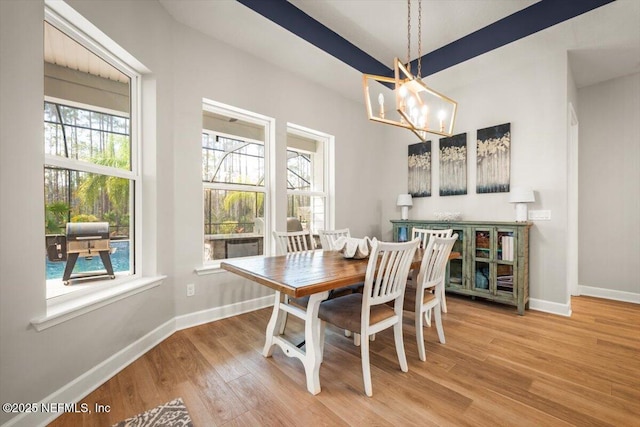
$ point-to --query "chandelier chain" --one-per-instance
(419, 75)
(409, 35)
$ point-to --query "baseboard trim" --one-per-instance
(94, 378)
(219, 313)
(550, 307)
(590, 291)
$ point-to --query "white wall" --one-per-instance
(36, 364)
(509, 85)
(249, 83)
(609, 243)
(185, 67)
(530, 92)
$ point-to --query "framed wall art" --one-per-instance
(420, 169)
(493, 159)
(453, 165)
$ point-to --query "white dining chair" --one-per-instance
(328, 237)
(293, 241)
(426, 296)
(425, 235)
(368, 313)
(290, 242)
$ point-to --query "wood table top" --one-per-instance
(304, 273)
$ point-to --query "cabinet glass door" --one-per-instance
(505, 258)
(483, 255)
(403, 233)
(483, 244)
(456, 269)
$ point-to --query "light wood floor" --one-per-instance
(497, 368)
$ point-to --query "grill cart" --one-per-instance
(87, 239)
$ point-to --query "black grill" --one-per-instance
(87, 239)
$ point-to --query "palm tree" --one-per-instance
(243, 206)
(56, 215)
(95, 186)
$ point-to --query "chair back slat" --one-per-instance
(434, 261)
(387, 271)
(328, 237)
(293, 241)
(425, 234)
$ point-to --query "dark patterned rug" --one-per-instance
(171, 414)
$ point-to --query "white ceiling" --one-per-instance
(601, 44)
(62, 50)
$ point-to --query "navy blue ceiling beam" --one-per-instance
(523, 23)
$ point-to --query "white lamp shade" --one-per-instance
(404, 200)
(521, 195)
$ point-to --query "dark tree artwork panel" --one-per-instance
(494, 159)
(420, 169)
(453, 165)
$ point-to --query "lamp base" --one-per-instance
(521, 212)
(404, 214)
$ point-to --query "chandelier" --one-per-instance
(413, 105)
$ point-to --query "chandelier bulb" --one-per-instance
(403, 91)
(381, 102)
(441, 116)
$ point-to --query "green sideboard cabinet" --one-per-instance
(494, 258)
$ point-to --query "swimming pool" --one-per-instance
(119, 261)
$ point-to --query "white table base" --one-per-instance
(311, 357)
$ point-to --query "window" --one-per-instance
(90, 146)
(308, 173)
(235, 182)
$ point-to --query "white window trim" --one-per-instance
(269, 125)
(67, 307)
(74, 304)
(329, 170)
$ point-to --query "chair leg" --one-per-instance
(347, 333)
(438, 317)
(420, 335)
(427, 317)
(443, 301)
(372, 337)
(356, 339)
(397, 335)
(366, 367)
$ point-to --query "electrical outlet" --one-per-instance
(544, 215)
(191, 290)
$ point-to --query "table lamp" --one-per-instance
(521, 196)
(404, 201)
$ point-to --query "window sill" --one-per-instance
(213, 268)
(62, 309)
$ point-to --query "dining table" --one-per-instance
(313, 274)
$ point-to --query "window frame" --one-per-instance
(328, 175)
(268, 189)
(64, 19)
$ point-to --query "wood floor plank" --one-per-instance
(496, 369)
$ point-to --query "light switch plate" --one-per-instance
(540, 215)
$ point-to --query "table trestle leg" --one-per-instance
(311, 357)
